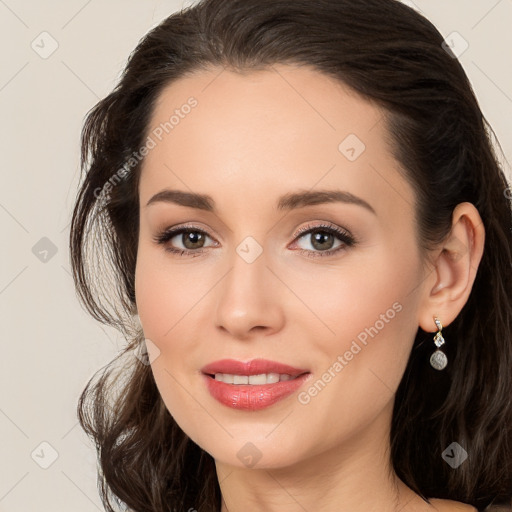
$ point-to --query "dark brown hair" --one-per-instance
(394, 57)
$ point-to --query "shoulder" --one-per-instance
(451, 506)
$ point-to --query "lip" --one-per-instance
(249, 397)
(253, 367)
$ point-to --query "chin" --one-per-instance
(254, 450)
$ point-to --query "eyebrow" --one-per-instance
(286, 202)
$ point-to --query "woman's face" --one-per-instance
(342, 307)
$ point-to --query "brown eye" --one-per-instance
(322, 239)
(192, 240)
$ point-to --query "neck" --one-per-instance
(354, 476)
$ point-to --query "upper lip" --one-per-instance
(253, 367)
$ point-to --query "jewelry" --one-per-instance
(438, 359)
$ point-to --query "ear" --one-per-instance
(448, 284)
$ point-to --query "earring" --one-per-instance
(438, 359)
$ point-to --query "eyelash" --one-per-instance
(348, 241)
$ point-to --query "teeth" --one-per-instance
(263, 378)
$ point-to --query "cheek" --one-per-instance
(152, 299)
(166, 292)
(372, 316)
(355, 293)
(366, 312)
(164, 299)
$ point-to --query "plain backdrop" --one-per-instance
(58, 58)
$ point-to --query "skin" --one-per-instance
(250, 139)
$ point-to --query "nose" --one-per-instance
(250, 301)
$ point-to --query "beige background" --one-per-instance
(50, 347)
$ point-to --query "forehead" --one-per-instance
(282, 128)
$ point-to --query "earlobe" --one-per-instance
(455, 268)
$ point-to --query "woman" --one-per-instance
(271, 372)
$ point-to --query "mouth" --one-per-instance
(252, 385)
(252, 380)
(256, 368)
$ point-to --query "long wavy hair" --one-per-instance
(445, 148)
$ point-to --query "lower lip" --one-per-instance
(248, 397)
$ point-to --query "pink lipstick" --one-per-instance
(252, 385)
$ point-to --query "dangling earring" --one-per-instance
(438, 359)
